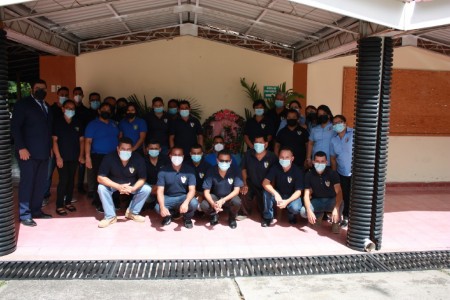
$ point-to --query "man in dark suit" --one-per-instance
(31, 129)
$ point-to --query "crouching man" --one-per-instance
(122, 171)
(221, 186)
(322, 193)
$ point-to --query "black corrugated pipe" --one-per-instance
(7, 217)
(374, 63)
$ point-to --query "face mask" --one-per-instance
(40, 94)
(311, 117)
(176, 160)
(292, 122)
(319, 167)
(184, 113)
(153, 153)
(339, 127)
(259, 111)
(173, 110)
(285, 163)
(218, 147)
(69, 113)
(62, 99)
(95, 104)
(196, 157)
(131, 115)
(124, 155)
(105, 115)
(259, 147)
(78, 98)
(224, 165)
(158, 110)
(323, 119)
(279, 103)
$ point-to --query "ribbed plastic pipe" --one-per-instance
(7, 211)
(374, 68)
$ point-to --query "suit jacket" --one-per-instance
(31, 128)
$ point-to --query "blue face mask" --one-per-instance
(339, 127)
(124, 155)
(224, 165)
(158, 110)
(95, 104)
(319, 167)
(279, 103)
(196, 157)
(173, 110)
(184, 113)
(285, 163)
(69, 113)
(259, 111)
(259, 147)
(62, 100)
(153, 153)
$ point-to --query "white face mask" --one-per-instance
(78, 98)
(177, 160)
(124, 155)
(218, 147)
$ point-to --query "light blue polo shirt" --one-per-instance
(105, 136)
(342, 150)
(132, 129)
(321, 136)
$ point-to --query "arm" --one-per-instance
(137, 185)
(140, 141)
(17, 121)
(209, 198)
(163, 211)
(248, 142)
(108, 182)
(185, 206)
(335, 213)
(294, 196)
(171, 140)
(308, 162)
(244, 189)
(270, 189)
(307, 202)
(333, 163)
(87, 151)
(269, 138)
(276, 148)
(59, 160)
(81, 159)
(200, 139)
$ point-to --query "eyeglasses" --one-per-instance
(224, 161)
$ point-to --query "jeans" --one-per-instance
(136, 202)
(293, 208)
(346, 186)
(232, 206)
(254, 192)
(174, 203)
(64, 190)
(33, 174)
(319, 206)
(50, 170)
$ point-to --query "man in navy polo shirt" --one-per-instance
(158, 124)
(154, 162)
(222, 185)
(134, 128)
(200, 166)
(101, 138)
(176, 189)
(186, 130)
(217, 146)
(255, 165)
(283, 186)
(122, 171)
(322, 192)
(259, 125)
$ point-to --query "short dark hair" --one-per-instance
(125, 140)
(153, 142)
(286, 148)
(105, 104)
(218, 137)
(196, 146)
(38, 81)
(293, 111)
(157, 99)
(259, 102)
(133, 105)
(78, 88)
(260, 136)
(174, 101)
(320, 154)
(295, 101)
(63, 88)
(185, 102)
(310, 107)
(327, 110)
(109, 97)
(122, 99)
(341, 117)
(94, 94)
(224, 152)
(176, 147)
(68, 101)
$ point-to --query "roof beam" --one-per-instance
(261, 15)
(118, 16)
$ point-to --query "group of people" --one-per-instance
(294, 163)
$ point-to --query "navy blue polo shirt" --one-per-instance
(176, 183)
(158, 128)
(57, 111)
(222, 186)
(82, 112)
(275, 118)
(295, 139)
(186, 132)
(68, 137)
(200, 172)
(113, 168)
(132, 129)
(257, 169)
(262, 128)
(153, 170)
(286, 183)
(105, 136)
(322, 185)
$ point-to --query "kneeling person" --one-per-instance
(283, 186)
(221, 186)
(122, 171)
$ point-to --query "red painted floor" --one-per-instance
(416, 219)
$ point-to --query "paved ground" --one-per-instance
(396, 285)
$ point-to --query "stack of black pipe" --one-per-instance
(7, 212)
(374, 71)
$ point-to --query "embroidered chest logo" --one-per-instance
(266, 164)
(289, 179)
(230, 181)
(201, 175)
(346, 140)
(131, 169)
(192, 124)
(183, 179)
(327, 183)
(299, 132)
(329, 128)
(263, 125)
(135, 127)
(77, 128)
(165, 121)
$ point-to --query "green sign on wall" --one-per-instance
(269, 91)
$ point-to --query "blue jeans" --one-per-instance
(293, 208)
(173, 204)
(319, 206)
(136, 202)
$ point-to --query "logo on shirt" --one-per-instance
(165, 120)
(201, 175)
(263, 125)
(135, 127)
(266, 164)
(327, 183)
(131, 170)
(289, 179)
(346, 140)
(299, 132)
(192, 124)
(183, 179)
(230, 181)
(329, 128)
(77, 128)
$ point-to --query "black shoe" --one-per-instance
(214, 220)
(188, 224)
(28, 222)
(232, 223)
(42, 216)
(344, 223)
(292, 220)
(166, 221)
(266, 222)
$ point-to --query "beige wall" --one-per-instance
(180, 68)
(411, 158)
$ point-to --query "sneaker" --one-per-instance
(136, 218)
(232, 223)
(292, 220)
(344, 223)
(188, 224)
(166, 221)
(45, 201)
(241, 217)
(106, 222)
(73, 200)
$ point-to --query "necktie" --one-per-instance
(41, 103)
